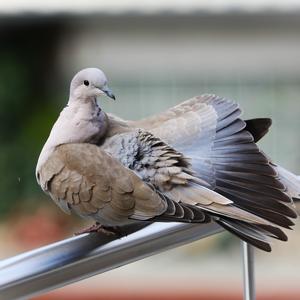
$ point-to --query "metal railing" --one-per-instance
(80, 257)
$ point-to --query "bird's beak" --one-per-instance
(106, 90)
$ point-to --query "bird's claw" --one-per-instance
(107, 230)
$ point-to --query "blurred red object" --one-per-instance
(206, 295)
(42, 227)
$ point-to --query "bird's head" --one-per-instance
(89, 83)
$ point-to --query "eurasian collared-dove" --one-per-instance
(196, 162)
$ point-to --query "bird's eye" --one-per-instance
(86, 82)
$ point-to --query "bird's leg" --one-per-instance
(107, 230)
(97, 227)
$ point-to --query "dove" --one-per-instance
(196, 162)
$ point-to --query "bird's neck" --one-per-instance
(77, 123)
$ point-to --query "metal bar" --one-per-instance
(249, 280)
(76, 258)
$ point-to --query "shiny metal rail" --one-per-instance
(80, 257)
(248, 271)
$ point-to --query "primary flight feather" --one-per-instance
(196, 162)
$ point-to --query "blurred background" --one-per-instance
(155, 54)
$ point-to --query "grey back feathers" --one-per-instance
(196, 162)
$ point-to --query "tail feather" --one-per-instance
(252, 237)
(258, 127)
(257, 235)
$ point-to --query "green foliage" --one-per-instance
(25, 121)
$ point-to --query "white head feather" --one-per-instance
(87, 83)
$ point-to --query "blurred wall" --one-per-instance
(154, 62)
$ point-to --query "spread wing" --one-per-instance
(222, 149)
(223, 153)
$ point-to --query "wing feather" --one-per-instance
(223, 153)
(92, 183)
